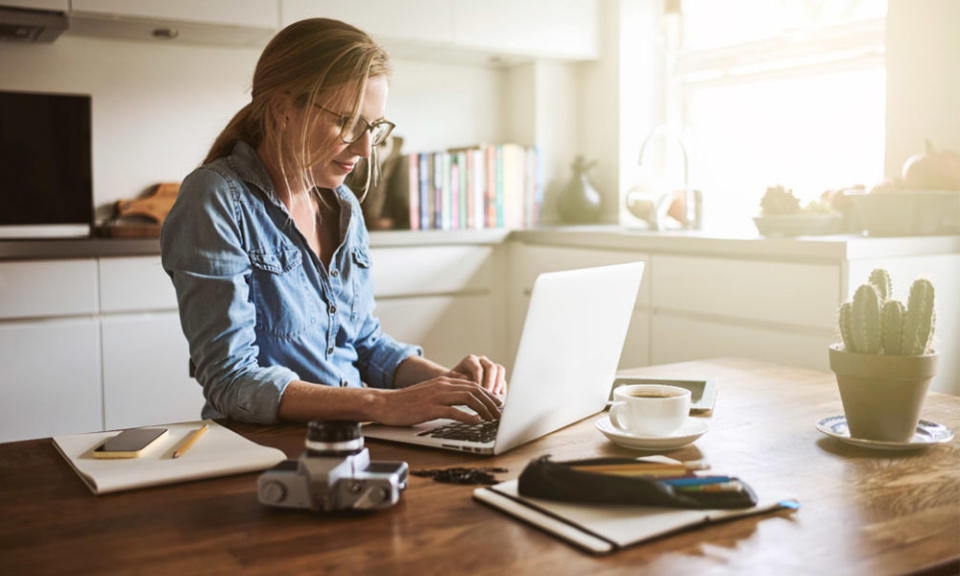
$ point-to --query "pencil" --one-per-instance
(193, 438)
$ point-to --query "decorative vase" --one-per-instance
(580, 202)
(882, 395)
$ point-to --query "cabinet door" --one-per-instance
(806, 295)
(679, 339)
(247, 13)
(36, 289)
(447, 327)
(548, 28)
(431, 270)
(145, 371)
(56, 5)
(133, 284)
(419, 21)
(49, 378)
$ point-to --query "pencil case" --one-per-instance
(544, 478)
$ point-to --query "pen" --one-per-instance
(193, 438)
(697, 480)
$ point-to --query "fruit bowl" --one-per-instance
(798, 224)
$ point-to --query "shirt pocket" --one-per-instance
(278, 290)
(362, 286)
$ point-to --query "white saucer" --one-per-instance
(692, 429)
(928, 433)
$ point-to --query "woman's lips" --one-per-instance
(346, 167)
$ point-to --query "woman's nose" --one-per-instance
(363, 145)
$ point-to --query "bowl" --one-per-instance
(798, 224)
(909, 212)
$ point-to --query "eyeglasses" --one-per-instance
(352, 128)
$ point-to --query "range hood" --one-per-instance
(31, 26)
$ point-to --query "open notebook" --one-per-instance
(606, 528)
(219, 452)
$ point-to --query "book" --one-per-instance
(603, 529)
(220, 452)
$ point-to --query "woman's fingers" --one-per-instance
(477, 403)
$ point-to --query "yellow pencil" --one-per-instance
(193, 438)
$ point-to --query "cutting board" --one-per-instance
(155, 205)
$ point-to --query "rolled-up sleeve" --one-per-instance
(203, 254)
(380, 354)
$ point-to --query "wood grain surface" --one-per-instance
(863, 512)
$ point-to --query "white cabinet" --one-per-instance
(249, 13)
(529, 261)
(445, 298)
(774, 292)
(418, 21)
(447, 327)
(145, 379)
(38, 289)
(55, 5)
(561, 29)
(679, 339)
(217, 22)
(134, 284)
(540, 28)
(49, 378)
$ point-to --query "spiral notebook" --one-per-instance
(602, 529)
(219, 452)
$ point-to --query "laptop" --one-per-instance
(566, 361)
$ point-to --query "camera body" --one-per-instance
(335, 473)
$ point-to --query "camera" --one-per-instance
(335, 473)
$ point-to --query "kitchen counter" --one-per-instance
(805, 248)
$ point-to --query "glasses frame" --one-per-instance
(342, 121)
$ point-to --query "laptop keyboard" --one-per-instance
(482, 432)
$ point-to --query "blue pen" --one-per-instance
(699, 481)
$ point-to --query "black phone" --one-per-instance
(129, 443)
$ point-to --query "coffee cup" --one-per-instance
(649, 409)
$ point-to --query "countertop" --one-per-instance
(744, 245)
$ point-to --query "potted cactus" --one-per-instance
(886, 362)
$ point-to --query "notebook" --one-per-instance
(567, 358)
(219, 452)
(603, 529)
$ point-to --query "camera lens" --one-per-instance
(333, 438)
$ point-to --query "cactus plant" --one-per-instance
(874, 323)
(891, 323)
(866, 320)
(919, 321)
(880, 279)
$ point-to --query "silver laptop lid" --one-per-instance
(569, 351)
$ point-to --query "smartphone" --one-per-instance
(130, 443)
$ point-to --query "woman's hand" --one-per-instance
(485, 372)
(437, 398)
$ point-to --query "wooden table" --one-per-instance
(862, 512)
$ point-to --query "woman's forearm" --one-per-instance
(416, 369)
(302, 401)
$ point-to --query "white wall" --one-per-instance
(157, 108)
(923, 78)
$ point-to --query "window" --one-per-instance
(769, 92)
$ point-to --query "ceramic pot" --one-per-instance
(882, 395)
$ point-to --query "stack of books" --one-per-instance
(496, 186)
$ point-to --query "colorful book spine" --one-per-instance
(413, 190)
(454, 193)
(464, 201)
(424, 203)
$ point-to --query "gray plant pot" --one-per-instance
(882, 395)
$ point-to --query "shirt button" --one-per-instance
(330, 350)
(334, 273)
(343, 382)
(333, 309)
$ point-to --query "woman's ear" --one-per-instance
(279, 110)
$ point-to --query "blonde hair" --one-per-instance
(310, 61)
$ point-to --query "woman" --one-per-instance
(269, 254)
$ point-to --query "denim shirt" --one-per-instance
(256, 304)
